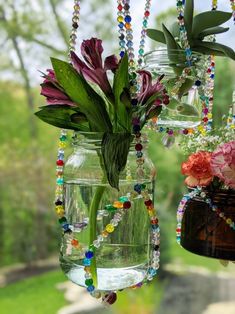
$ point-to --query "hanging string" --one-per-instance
(232, 3)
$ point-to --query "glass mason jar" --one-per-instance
(203, 232)
(185, 107)
(123, 257)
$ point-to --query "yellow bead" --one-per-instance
(209, 116)
(118, 204)
(109, 228)
(62, 145)
(229, 221)
(128, 178)
(120, 19)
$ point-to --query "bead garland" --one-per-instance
(182, 207)
(232, 3)
(75, 20)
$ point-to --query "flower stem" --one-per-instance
(95, 203)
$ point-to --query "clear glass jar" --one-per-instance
(185, 107)
(123, 258)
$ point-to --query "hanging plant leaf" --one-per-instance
(208, 51)
(209, 19)
(156, 35)
(185, 87)
(188, 16)
(212, 31)
(120, 84)
(115, 148)
(90, 103)
(63, 116)
(174, 29)
(227, 51)
(187, 110)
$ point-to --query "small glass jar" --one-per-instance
(204, 232)
(123, 258)
(185, 107)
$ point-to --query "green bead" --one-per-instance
(63, 219)
(63, 138)
(123, 199)
(110, 208)
(133, 76)
(145, 23)
(88, 282)
(141, 52)
(143, 186)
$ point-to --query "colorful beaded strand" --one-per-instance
(121, 29)
(75, 25)
(182, 207)
(144, 32)
(232, 3)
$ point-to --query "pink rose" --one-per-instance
(223, 163)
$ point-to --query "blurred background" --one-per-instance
(30, 279)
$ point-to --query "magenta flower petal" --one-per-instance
(91, 51)
(111, 63)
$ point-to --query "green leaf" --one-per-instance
(209, 19)
(174, 30)
(156, 35)
(188, 16)
(120, 85)
(207, 51)
(185, 87)
(115, 148)
(171, 45)
(212, 31)
(63, 116)
(227, 51)
(89, 102)
(187, 110)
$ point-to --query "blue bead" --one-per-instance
(122, 43)
(152, 271)
(122, 53)
(65, 226)
(86, 262)
(129, 44)
(90, 288)
(128, 19)
(139, 154)
(137, 187)
(60, 181)
(121, 25)
(61, 156)
(136, 128)
(178, 239)
(198, 83)
(212, 76)
(89, 254)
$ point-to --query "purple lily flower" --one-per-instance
(148, 89)
(53, 92)
(93, 69)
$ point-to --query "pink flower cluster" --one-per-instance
(202, 167)
(223, 163)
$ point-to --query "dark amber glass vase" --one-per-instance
(204, 232)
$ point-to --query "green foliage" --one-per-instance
(89, 102)
(115, 148)
(198, 27)
(36, 295)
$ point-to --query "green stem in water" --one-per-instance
(93, 224)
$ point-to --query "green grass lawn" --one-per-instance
(36, 295)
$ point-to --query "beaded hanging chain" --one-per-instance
(59, 194)
(124, 202)
(182, 207)
(232, 3)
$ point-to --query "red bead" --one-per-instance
(110, 298)
(127, 205)
(166, 100)
(120, 7)
(147, 13)
(178, 230)
(59, 162)
(212, 64)
(154, 221)
(148, 202)
(205, 119)
(138, 147)
(209, 71)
